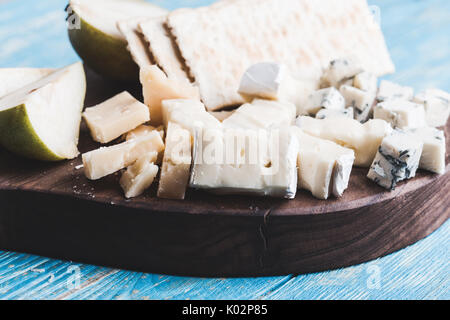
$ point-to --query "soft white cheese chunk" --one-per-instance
(339, 71)
(157, 87)
(176, 163)
(328, 113)
(361, 101)
(389, 90)
(139, 176)
(366, 81)
(107, 160)
(262, 114)
(324, 166)
(401, 114)
(114, 117)
(397, 159)
(437, 106)
(364, 139)
(434, 148)
(245, 161)
(328, 98)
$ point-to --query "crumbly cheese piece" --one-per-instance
(366, 81)
(221, 115)
(328, 98)
(245, 161)
(397, 160)
(433, 154)
(176, 163)
(401, 114)
(108, 160)
(361, 101)
(114, 117)
(328, 113)
(339, 71)
(139, 177)
(157, 87)
(437, 106)
(262, 114)
(324, 166)
(364, 139)
(389, 90)
(189, 114)
(143, 130)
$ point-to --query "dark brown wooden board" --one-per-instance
(51, 209)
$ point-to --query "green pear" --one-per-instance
(93, 32)
(42, 119)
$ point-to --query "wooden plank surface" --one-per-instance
(417, 33)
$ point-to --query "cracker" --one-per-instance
(220, 42)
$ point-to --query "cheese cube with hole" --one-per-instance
(401, 114)
(434, 148)
(176, 163)
(114, 117)
(339, 71)
(366, 81)
(361, 101)
(108, 160)
(157, 87)
(246, 161)
(364, 139)
(397, 159)
(262, 114)
(327, 113)
(189, 114)
(139, 177)
(324, 167)
(328, 98)
(437, 106)
(389, 91)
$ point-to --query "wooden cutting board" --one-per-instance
(53, 210)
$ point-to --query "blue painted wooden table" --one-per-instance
(32, 34)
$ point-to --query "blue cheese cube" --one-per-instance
(437, 106)
(338, 72)
(361, 101)
(433, 155)
(401, 114)
(397, 159)
(328, 113)
(389, 90)
(366, 81)
(328, 98)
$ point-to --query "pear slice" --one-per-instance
(96, 38)
(12, 79)
(42, 120)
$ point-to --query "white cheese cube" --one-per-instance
(324, 166)
(107, 160)
(434, 148)
(157, 87)
(437, 106)
(328, 98)
(114, 117)
(143, 130)
(221, 115)
(397, 160)
(327, 113)
(364, 139)
(176, 163)
(361, 101)
(189, 114)
(138, 177)
(366, 81)
(339, 71)
(262, 114)
(401, 114)
(245, 161)
(389, 90)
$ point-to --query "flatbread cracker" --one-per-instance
(220, 42)
(163, 48)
